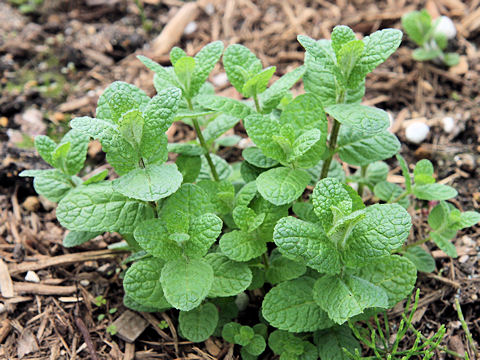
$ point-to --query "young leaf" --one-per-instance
(98, 207)
(45, 147)
(384, 228)
(283, 269)
(423, 172)
(241, 246)
(405, 172)
(189, 167)
(153, 236)
(152, 183)
(184, 70)
(359, 148)
(142, 283)
(256, 346)
(257, 84)
(307, 243)
(203, 232)
(254, 156)
(162, 78)
(331, 342)
(224, 105)
(218, 126)
(290, 306)
(417, 25)
(282, 185)
(434, 192)
(394, 274)
(198, 325)
(442, 240)
(240, 65)
(369, 120)
(190, 200)
(205, 61)
(343, 298)
(75, 238)
(341, 35)
(260, 128)
(246, 219)
(421, 258)
(52, 183)
(388, 192)
(186, 282)
(246, 194)
(100, 176)
(176, 54)
(348, 56)
(230, 277)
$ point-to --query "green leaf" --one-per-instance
(343, 298)
(439, 215)
(288, 346)
(131, 127)
(423, 172)
(426, 54)
(396, 275)
(241, 246)
(388, 192)
(225, 105)
(230, 330)
(348, 56)
(451, 59)
(260, 129)
(176, 54)
(240, 65)
(290, 306)
(205, 61)
(186, 282)
(184, 70)
(359, 148)
(190, 200)
(405, 172)
(162, 76)
(136, 306)
(307, 243)
(75, 238)
(331, 342)
(385, 227)
(77, 152)
(257, 84)
(274, 94)
(59, 157)
(256, 346)
(434, 192)
(341, 35)
(282, 185)
(203, 232)
(224, 169)
(158, 116)
(45, 147)
(218, 126)
(282, 269)
(305, 143)
(246, 194)
(328, 193)
(468, 219)
(254, 156)
(186, 149)
(153, 236)
(52, 183)
(142, 283)
(421, 258)
(230, 277)
(98, 207)
(198, 325)
(272, 213)
(100, 176)
(368, 119)
(246, 219)
(417, 25)
(189, 167)
(152, 183)
(118, 98)
(442, 239)
(378, 47)
(221, 194)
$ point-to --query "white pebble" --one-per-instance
(3, 308)
(210, 9)
(417, 132)
(220, 79)
(84, 282)
(446, 26)
(242, 301)
(32, 277)
(448, 124)
(190, 28)
(463, 259)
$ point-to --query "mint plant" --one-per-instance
(431, 37)
(204, 233)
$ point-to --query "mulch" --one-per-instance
(57, 60)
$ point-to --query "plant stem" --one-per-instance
(331, 149)
(416, 243)
(468, 334)
(399, 197)
(363, 173)
(265, 260)
(257, 103)
(203, 143)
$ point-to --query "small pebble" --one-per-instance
(446, 26)
(448, 124)
(31, 203)
(3, 308)
(32, 277)
(220, 79)
(84, 282)
(190, 28)
(210, 9)
(242, 301)
(463, 259)
(417, 132)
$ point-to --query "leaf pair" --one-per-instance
(251, 339)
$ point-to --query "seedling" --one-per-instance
(199, 228)
(431, 37)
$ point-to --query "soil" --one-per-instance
(58, 58)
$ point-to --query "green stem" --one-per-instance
(265, 261)
(468, 334)
(399, 197)
(203, 143)
(416, 243)
(257, 103)
(331, 149)
(361, 185)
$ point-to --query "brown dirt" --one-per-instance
(60, 58)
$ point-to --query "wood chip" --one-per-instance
(42, 289)
(129, 326)
(6, 284)
(27, 343)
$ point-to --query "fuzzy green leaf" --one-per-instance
(254, 156)
(230, 277)
(45, 147)
(240, 65)
(75, 238)
(290, 306)
(341, 35)
(219, 126)
(369, 120)
(98, 207)
(257, 84)
(225, 105)
(246, 219)
(281, 269)
(331, 342)
(198, 325)
(388, 192)
(274, 94)
(417, 25)
(242, 246)
(190, 200)
(421, 258)
(189, 167)
(203, 232)
(260, 128)
(434, 192)
(186, 282)
(153, 236)
(205, 61)
(282, 185)
(52, 183)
